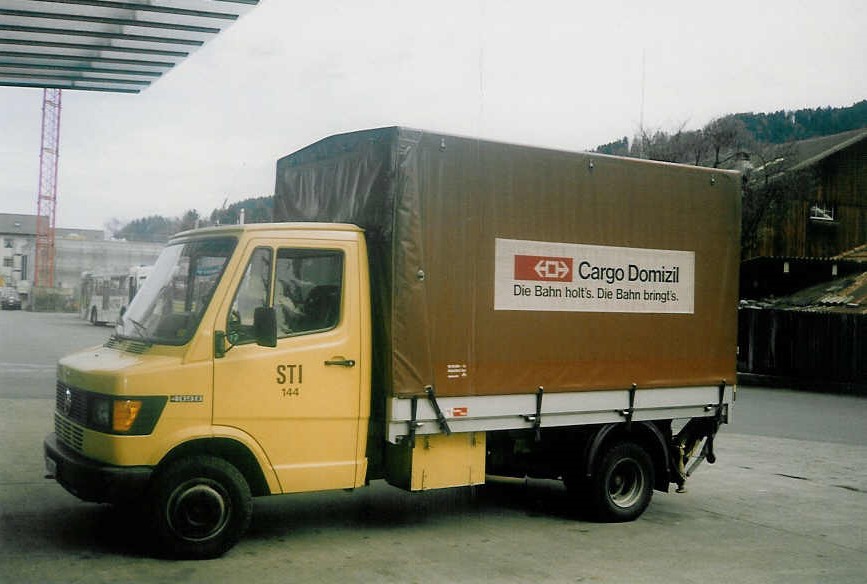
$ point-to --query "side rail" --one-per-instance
(428, 414)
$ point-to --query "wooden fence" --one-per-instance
(804, 348)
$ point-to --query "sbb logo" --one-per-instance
(543, 269)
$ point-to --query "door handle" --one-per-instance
(341, 362)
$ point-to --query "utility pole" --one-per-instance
(46, 198)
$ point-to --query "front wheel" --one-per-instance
(201, 507)
(622, 485)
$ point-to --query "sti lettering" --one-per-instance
(290, 374)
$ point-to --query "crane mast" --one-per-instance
(46, 198)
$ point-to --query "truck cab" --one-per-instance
(241, 368)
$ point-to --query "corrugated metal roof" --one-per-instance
(17, 224)
(818, 149)
(101, 45)
(859, 254)
(805, 259)
(793, 156)
(25, 225)
(842, 295)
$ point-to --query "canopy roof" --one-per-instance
(102, 45)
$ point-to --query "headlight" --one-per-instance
(100, 413)
(131, 416)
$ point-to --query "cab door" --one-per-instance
(301, 400)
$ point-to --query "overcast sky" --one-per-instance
(563, 74)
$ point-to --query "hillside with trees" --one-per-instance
(723, 139)
(157, 228)
(787, 126)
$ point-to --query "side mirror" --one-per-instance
(265, 326)
(219, 344)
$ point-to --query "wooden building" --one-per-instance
(816, 193)
(803, 315)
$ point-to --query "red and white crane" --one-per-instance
(46, 197)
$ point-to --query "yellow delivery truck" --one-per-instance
(425, 309)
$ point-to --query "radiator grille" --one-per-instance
(68, 433)
(71, 403)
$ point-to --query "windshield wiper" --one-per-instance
(139, 328)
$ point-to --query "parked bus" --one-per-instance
(137, 276)
(105, 296)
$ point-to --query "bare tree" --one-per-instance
(683, 146)
(112, 227)
(189, 220)
(695, 144)
(727, 135)
(768, 183)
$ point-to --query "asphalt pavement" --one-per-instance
(31, 343)
(802, 415)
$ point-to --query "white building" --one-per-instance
(16, 236)
(75, 251)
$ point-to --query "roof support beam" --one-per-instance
(96, 44)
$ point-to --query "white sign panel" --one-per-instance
(567, 277)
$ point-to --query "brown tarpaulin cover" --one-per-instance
(434, 204)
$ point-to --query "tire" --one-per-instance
(201, 506)
(622, 483)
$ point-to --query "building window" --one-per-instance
(823, 212)
(8, 242)
(8, 262)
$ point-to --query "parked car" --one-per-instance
(9, 299)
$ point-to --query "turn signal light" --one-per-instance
(125, 413)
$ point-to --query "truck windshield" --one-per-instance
(170, 304)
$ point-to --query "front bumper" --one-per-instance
(90, 480)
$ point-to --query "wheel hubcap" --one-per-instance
(198, 510)
(625, 483)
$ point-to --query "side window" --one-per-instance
(309, 286)
(252, 293)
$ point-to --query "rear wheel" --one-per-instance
(622, 483)
(201, 507)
